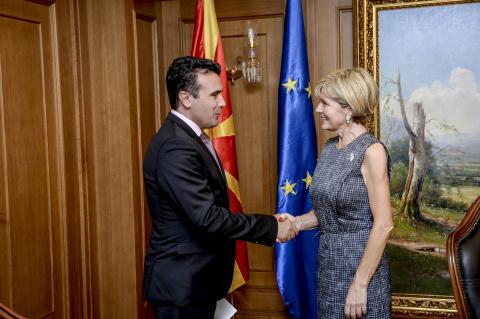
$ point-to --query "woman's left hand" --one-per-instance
(356, 301)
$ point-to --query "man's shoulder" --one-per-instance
(170, 141)
(170, 135)
(170, 131)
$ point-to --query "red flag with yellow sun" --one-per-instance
(207, 43)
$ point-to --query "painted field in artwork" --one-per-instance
(430, 56)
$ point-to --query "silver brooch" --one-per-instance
(352, 157)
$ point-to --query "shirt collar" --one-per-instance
(189, 122)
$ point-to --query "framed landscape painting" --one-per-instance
(425, 58)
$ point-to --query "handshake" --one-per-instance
(288, 227)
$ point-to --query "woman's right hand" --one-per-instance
(356, 301)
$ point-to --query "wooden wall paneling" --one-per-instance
(237, 8)
(148, 53)
(326, 33)
(6, 292)
(329, 41)
(74, 146)
(56, 149)
(253, 122)
(108, 81)
(171, 45)
(148, 37)
(255, 114)
(86, 128)
(135, 124)
(345, 36)
(32, 161)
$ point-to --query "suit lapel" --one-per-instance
(213, 163)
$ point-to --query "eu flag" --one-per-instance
(297, 151)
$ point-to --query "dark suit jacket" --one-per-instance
(191, 253)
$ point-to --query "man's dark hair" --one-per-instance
(182, 76)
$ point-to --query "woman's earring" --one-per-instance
(348, 120)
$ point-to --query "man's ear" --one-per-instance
(184, 98)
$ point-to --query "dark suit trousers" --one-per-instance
(199, 312)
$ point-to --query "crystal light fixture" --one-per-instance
(252, 70)
(250, 66)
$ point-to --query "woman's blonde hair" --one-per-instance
(354, 88)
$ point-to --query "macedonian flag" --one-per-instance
(207, 43)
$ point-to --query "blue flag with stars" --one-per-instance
(297, 151)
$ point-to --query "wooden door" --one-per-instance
(255, 119)
(32, 256)
(148, 115)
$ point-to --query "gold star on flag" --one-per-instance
(289, 188)
(309, 90)
(290, 85)
(307, 180)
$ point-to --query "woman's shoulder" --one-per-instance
(374, 145)
(376, 149)
(376, 156)
(369, 138)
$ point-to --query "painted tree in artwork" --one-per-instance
(411, 196)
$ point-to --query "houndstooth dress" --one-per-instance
(340, 199)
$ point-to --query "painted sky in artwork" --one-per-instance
(437, 50)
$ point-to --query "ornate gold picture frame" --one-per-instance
(367, 28)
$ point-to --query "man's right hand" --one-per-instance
(286, 227)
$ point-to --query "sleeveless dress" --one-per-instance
(340, 200)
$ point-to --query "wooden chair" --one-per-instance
(463, 254)
(6, 313)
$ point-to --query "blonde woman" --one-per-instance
(351, 199)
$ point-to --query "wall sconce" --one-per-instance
(249, 68)
(252, 71)
(236, 70)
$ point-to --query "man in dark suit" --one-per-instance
(191, 254)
